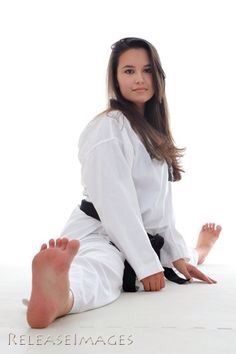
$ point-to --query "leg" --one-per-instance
(96, 274)
(50, 296)
(206, 240)
(61, 286)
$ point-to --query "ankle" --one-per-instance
(70, 302)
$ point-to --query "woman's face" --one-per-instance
(134, 76)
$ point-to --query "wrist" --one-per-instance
(178, 260)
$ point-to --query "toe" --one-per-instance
(218, 228)
(73, 246)
(51, 243)
(64, 242)
(43, 247)
(58, 242)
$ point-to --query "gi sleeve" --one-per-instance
(106, 173)
(174, 244)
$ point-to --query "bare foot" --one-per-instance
(206, 239)
(50, 296)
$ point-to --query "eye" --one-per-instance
(149, 70)
(128, 70)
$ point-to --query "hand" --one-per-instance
(195, 273)
(154, 282)
(190, 271)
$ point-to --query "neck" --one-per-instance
(140, 108)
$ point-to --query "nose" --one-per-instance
(139, 78)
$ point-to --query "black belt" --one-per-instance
(129, 277)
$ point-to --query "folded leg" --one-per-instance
(96, 274)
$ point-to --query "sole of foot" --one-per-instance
(50, 296)
(208, 235)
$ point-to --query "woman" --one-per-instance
(128, 159)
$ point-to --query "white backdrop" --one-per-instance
(53, 62)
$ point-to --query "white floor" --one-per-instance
(194, 318)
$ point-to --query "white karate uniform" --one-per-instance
(132, 196)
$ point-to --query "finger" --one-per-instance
(214, 281)
(157, 286)
(208, 280)
(153, 286)
(185, 272)
(144, 285)
(201, 276)
(182, 268)
(196, 273)
(147, 286)
(163, 283)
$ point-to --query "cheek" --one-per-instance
(151, 84)
(150, 80)
(124, 85)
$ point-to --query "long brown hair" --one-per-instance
(153, 128)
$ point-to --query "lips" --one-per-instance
(140, 89)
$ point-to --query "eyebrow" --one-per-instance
(132, 66)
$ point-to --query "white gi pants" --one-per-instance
(96, 273)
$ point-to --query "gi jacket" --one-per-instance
(130, 192)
